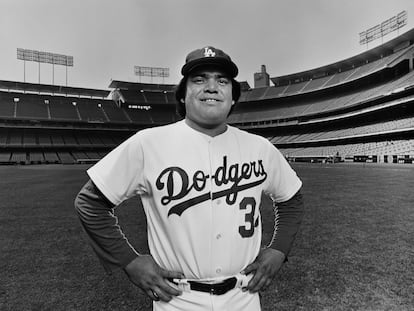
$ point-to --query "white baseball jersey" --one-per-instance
(201, 194)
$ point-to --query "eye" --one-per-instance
(198, 80)
(223, 81)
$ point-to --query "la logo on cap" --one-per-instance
(208, 52)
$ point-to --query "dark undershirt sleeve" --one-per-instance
(288, 217)
(96, 214)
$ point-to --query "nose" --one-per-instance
(211, 86)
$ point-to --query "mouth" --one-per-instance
(210, 100)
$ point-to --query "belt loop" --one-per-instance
(243, 280)
(182, 285)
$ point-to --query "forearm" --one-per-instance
(288, 217)
(101, 225)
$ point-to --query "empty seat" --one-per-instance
(65, 157)
(51, 157)
(19, 157)
(36, 157)
(5, 156)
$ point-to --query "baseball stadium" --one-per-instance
(346, 127)
(355, 110)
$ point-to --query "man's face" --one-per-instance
(208, 97)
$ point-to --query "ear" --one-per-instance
(182, 100)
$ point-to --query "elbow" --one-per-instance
(81, 201)
(77, 202)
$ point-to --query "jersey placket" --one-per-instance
(220, 213)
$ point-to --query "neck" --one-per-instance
(212, 131)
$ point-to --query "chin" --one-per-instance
(214, 123)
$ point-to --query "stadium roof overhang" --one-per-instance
(384, 49)
(51, 89)
(123, 85)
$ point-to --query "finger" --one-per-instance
(162, 295)
(259, 285)
(250, 268)
(252, 285)
(151, 294)
(169, 288)
(171, 274)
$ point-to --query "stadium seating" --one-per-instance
(5, 157)
(171, 98)
(404, 123)
(272, 92)
(255, 94)
(141, 116)
(69, 139)
(15, 138)
(83, 139)
(396, 148)
(90, 110)
(155, 97)
(51, 157)
(19, 157)
(7, 105)
(65, 157)
(337, 78)
(93, 155)
(95, 140)
(61, 109)
(133, 96)
(36, 157)
(295, 88)
(29, 138)
(316, 84)
(113, 113)
(315, 106)
(44, 139)
(57, 139)
(30, 106)
(79, 155)
(3, 137)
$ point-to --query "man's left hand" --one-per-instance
(264, 269)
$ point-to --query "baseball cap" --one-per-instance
(209, 55)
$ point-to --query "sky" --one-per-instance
(107, 38)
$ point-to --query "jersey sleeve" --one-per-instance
(282, 181)
(283, 188)
(119, 175)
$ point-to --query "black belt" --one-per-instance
(216, 288)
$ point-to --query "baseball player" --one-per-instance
(200, 182)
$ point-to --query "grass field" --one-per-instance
(355, 249)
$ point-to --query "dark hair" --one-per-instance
(182, 88)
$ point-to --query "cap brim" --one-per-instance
(228, 66)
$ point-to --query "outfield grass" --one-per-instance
(355, 249)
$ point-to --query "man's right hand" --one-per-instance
(145, 273)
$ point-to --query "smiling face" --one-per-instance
(208, 100)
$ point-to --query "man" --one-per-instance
(200, 183)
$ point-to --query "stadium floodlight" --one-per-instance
(143, 71)
(379, 31)
(45, 57)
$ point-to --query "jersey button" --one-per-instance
(218, 202)
(218, 236)
(218, 270)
